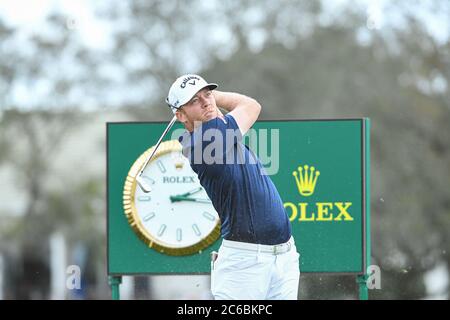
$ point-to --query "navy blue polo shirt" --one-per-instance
(248, 203)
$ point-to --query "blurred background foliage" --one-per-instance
(62, 79)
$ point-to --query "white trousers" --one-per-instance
(247, 274)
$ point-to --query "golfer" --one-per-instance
(257, 258)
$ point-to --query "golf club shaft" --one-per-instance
(158, 143)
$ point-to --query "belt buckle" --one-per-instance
(275, 251)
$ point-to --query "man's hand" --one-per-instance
(245, 110)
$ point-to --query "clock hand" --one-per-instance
(183, 198)
(191, 192)
(198, 200)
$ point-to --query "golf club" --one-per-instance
(141, 182)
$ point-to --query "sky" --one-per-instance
(81, 16)
(95, 33)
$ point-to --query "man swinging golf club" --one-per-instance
(258, 258)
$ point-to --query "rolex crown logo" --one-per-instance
(306, 179)
(179, 165)
(178, 160)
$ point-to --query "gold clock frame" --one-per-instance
(133, 217)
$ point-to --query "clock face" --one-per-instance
(176, 217)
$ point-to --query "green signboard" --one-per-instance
(320, 167)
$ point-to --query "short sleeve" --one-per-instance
(233, 125)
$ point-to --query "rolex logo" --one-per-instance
(306, 179)
(179, 165)
(178, 160)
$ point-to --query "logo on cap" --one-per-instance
(183, 84)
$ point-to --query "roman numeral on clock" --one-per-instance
(209, 216)
(196, 229)
(161, 166)
(161, 230)
(149, 216)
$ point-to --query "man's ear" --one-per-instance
(181, 116)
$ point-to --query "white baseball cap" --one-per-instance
(184, 88)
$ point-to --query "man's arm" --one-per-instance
(245, 110)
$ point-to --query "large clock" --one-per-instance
(176, 217)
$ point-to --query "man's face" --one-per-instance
(201, 108)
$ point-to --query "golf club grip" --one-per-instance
(158, 143)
